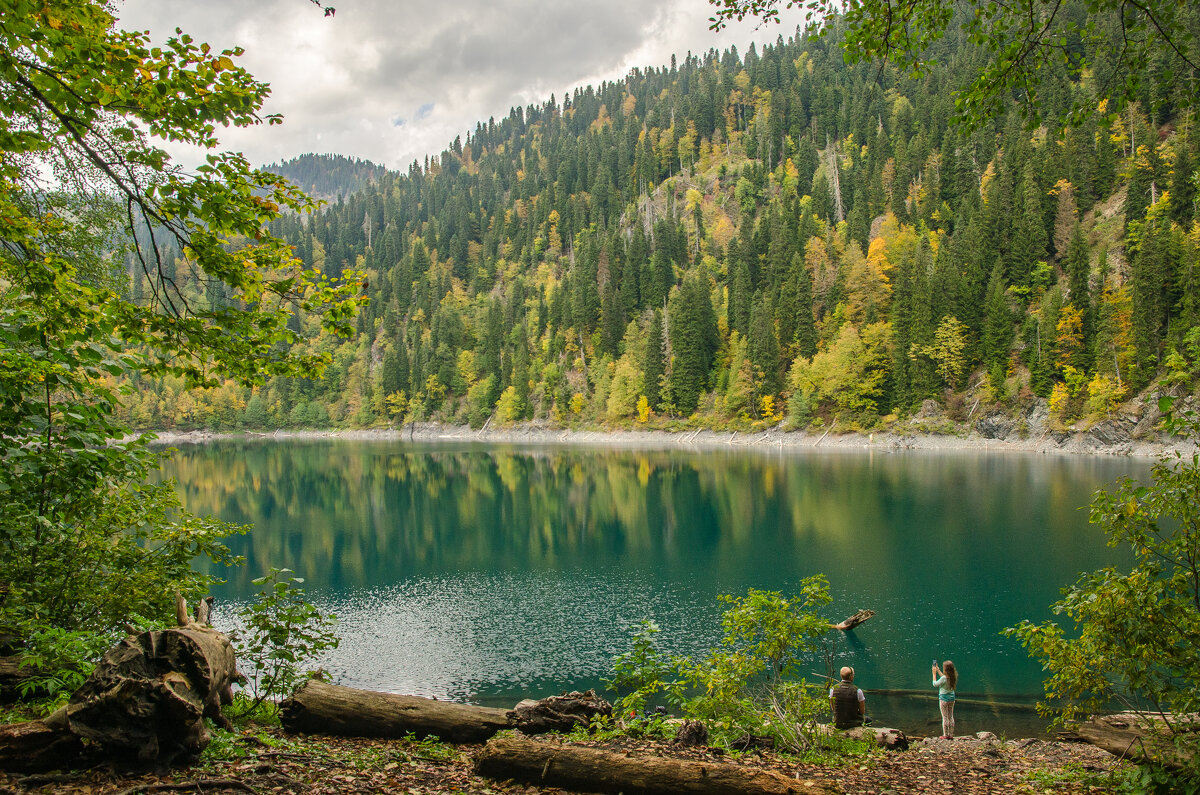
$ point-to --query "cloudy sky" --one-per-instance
(395, 80)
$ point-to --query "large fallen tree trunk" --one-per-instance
(594, 770)
(322, 708)
(34, 747)
(1141, 736)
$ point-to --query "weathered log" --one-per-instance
(35, 747)
(560, 713)
(321, 708)
(585, 769)
(1140, 736)
(150, 693)
(12, 676)
(854, 620)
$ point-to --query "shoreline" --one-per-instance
(1100, 440)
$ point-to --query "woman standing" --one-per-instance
(945, 680)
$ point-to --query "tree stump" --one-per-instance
(12, 676)
(691, 733)
(147, 697)
(321, 708)
(150, 693)
(583, 769)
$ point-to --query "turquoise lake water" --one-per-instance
(489, 574)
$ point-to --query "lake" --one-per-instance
(488, 574)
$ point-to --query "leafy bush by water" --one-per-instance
(746, 687)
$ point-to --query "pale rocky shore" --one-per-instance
(1032, 432)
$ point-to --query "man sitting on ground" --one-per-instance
(847, 702)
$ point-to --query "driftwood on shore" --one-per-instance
(585, 769)
(562, 713)
(321, 708)
(1140, 736)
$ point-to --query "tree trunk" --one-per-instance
(1139, 736)
(150, 693)
(321, 708)
(594, 770)
(35, 747)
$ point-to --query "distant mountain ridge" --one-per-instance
(328, 176)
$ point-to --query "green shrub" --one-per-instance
(1131, 637)
(640, 672)
(747, 686)
(282, 631)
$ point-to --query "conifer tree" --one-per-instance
(1078, 274)
(998, 326)
(391, 376)
(1150, 277)
(764, 348)
(740, 298)
(1183, 176)
(653, 364)
(1029, 233)
(693, 330)
(487, 357)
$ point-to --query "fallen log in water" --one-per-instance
(321, 708)
(854, 620)
(594, 770)
(1140, 736)
(973, 700)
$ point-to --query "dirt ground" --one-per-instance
(276, 763)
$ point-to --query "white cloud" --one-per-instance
(393, 82)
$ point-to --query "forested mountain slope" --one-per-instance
(749, 239)
(328, 176)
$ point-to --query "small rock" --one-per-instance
(1111, 433)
